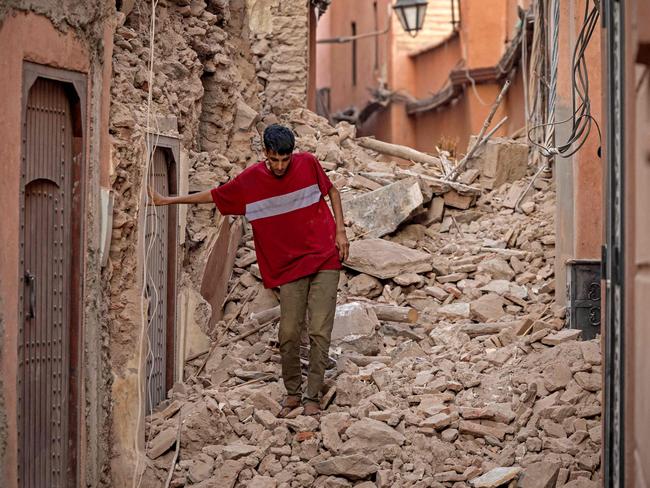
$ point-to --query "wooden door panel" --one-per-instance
(44, 334)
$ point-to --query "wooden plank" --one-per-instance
(392, 313)
(399, 151)
(218, 269)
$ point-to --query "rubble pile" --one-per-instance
(450, 366)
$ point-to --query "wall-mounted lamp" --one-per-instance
(411, 14)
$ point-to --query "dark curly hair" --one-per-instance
(279, 139)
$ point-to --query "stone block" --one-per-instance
(162, 442)
(487, 308)
(195, 313)
(245, 117)
(500, 161)
(454, 199)
(353, 467)
(353, 319)
(369, 434)
(497, 268)
(262, 482)
(562, 336)
(364, 285)
(384, 259)
(495, 477)
(458, 310)
(380, 212)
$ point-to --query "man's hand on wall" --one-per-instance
(155, 198)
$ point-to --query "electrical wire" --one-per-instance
(581, 119)
(524, 68)
(469, 77)
(146, 292)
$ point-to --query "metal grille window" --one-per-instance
(584, 296)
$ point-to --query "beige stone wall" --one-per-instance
(437, 26)
(279, 33)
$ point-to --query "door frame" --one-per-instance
(171, 146)
(77, 83)
(614, 259)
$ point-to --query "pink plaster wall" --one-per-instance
(46, 46)
(31, 37)
(334, 67)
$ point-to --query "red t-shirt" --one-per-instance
(293, 227)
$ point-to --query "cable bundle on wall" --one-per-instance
(581, 118)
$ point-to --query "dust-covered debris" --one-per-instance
(482, 389)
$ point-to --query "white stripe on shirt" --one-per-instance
(282, 204)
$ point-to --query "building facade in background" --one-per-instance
(420, 90)
(435, 90)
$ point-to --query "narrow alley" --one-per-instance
(180, 177)
(449, 360)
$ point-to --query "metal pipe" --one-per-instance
(344, 39)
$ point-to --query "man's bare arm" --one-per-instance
(341, 238)
(200, 197)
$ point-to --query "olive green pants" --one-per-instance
(315, 294)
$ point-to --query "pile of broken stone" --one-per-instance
(450, 363)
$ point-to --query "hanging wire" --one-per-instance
(524, 68)
(581, 119)
(146, 292)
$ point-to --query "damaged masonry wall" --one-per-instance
(221, 69)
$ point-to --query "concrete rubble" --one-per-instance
(380, 211)
(464, 377)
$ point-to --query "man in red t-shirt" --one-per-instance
(299, 247)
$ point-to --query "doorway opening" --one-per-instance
(50, 283)
(161, 265)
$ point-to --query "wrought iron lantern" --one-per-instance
(411, 14)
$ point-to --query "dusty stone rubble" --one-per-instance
(482, 387)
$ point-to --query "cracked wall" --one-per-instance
(222, 71)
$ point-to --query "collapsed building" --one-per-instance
(215, 67)
(444, 367)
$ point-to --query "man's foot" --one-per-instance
(290, 402)
(312, 409)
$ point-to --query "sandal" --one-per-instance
(312, 409)
(290, 403)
